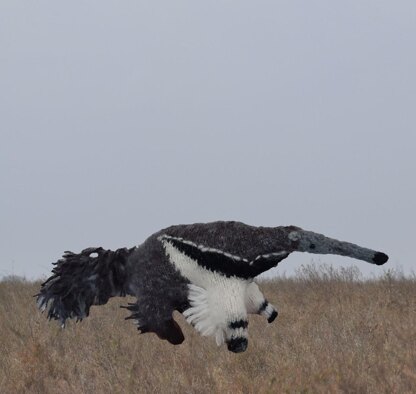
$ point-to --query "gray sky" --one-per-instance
(121, 118)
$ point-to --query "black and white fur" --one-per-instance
(205, 271)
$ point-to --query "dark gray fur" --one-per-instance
(80, 280)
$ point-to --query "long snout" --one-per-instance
(320, 244)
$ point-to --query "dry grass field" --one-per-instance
(334, 333)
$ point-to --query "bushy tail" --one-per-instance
(81, 280)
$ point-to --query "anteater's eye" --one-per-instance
(312, 246)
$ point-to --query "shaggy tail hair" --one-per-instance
(81, 280)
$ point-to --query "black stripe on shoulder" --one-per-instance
(269, 260)
(212, 259)
(223, 262)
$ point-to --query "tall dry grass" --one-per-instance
(334, 333)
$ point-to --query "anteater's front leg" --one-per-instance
(219, 310)
(256, 303)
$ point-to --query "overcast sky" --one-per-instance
(119, 118)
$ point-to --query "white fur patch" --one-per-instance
(254, 298)
(216, 300)
(206, 321)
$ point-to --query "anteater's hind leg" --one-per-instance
(157, 318)
(171, 332)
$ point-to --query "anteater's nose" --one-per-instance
(237, 345)
(380, 258)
